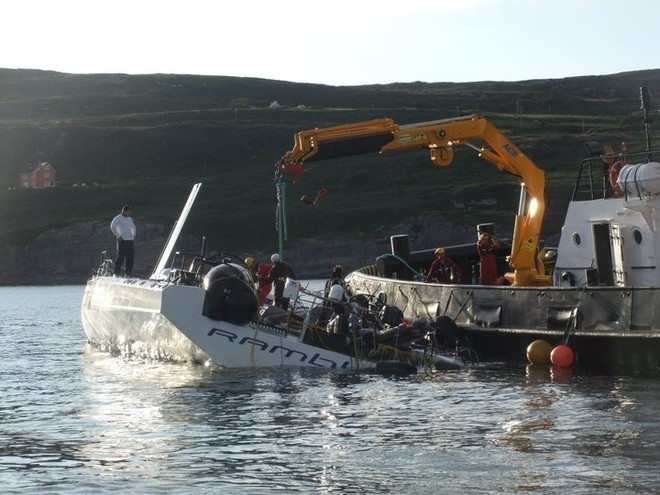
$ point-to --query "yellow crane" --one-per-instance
(440, 137)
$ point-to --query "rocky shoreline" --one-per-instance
(68, 256)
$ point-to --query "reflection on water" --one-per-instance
(75, 420)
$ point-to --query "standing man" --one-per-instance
(336, 278)
(260, 272)
(123, 228)
(487, 248)
(278, 274)
(335, 291)
(265, 283)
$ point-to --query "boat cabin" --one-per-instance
(610, 233)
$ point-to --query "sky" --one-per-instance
(337, 42)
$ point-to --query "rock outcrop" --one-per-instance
(70, 255)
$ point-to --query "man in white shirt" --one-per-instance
(123, 228)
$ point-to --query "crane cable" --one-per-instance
(280, 213)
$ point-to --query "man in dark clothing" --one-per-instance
(335, 290)
(336, 278)
(278, 274)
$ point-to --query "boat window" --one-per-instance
(577, 240)
(567, 279)
(637, 235)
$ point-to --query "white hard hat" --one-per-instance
(275, 258)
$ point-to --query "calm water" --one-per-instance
(76, 421)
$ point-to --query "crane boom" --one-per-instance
(439, 137)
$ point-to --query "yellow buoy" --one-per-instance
(538, 352)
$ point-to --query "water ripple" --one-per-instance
(77, 421)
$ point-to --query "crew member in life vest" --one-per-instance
(444, 270)
(265, 283)
(278, 274)
(260, 272)
(487, 248)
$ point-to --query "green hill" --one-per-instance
(146, 139)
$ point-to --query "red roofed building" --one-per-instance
(43, 175)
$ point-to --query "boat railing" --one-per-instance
(593, 178)
(191, 268)
(185, 269)
(105, 266)
(313, 310)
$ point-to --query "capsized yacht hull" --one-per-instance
(156, 319)
(166, 321)
(205, 309)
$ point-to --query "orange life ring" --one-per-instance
(614, 177)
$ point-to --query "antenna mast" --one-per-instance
(644, 100)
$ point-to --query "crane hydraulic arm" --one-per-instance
(440, 136)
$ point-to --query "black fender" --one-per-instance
(228, 296)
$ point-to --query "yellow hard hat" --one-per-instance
(249, 261)
(440, 250)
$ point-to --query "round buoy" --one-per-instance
(538, 352)
(562, 356)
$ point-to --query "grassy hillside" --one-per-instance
(146, 139)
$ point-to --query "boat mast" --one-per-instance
(644, 100)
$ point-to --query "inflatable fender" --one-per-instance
(228, 296)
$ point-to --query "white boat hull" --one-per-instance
(160, 320)
(123, 316)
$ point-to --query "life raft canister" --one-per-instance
(614, 177)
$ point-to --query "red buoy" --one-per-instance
(562, 356)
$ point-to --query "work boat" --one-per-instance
(597, 292)
(204, 309)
